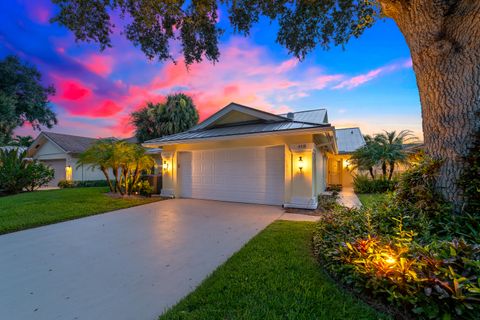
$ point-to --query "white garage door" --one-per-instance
(252, 175)
(59, 167)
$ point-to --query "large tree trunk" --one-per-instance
(444, 41)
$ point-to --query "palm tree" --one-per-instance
(127, 161)
(392, 149)
(366, 157)
(21, 141)
(177, 114)
(99, 155)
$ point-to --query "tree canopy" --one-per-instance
(384, 150)
(155, 120)
(23, 98)
(151, 25)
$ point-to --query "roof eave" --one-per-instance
(158, 144)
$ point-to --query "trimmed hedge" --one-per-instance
(363, 184)
(82, 184)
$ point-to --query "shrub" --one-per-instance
(363, 184)
(334, 187)
(63, 184)
(82, 184)
(38, 174)
(18, 173)
(91, 183)
(144, 188)
(409, 250)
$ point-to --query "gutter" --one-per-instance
(245, 135)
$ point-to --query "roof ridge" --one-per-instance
(348, 128)
(310, 110)
(66, 134)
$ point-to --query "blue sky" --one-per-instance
(370, 83)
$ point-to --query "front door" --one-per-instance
(334, 171)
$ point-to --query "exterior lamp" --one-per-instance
(300, 163)
(68, 173)
(165, 165)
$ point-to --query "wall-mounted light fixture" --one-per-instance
(300, 163)
(68, 173)
(165, 165)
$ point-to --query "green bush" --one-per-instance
(82, 184)
(363, 184)
(144, 188)
(91, 183)
(409, 251)
(38, 174)
(63, 184)
(18, 173)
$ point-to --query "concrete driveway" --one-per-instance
(128, 264)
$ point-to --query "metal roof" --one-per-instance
(318, 116)
(349, 139)
(236, 130)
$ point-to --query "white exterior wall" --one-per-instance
(85, 173)
(50, 151)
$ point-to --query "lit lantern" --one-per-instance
(300, 163)
(165, 165)
(68, 173)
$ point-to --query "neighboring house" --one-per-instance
(339, 169)
(243, 154)
(60, 151)
(19, 149)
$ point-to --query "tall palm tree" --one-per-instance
(177, 114)
(392, 149)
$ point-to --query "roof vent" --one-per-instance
(290, 115)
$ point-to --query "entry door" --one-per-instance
(335, 171)
(252, 175)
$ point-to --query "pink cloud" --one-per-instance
(99, 64)
(356, 81)
(73, 90)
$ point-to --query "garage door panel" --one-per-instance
(59, 168)
(246, 175)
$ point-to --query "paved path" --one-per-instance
(348, 198)
(128, 264)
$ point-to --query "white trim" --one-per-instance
(243, 109)
(240, 136)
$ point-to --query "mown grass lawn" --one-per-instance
(367, 199)
(32, 209)
(275, 276)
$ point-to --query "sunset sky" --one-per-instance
(370, 83)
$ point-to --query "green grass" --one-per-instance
(368, 199)
(275, 276)
(32, 209)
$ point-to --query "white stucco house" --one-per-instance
(247, 155)
(60, 151)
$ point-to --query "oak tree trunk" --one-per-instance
(444, 41)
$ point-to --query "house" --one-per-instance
(247, 155)
(339, 168)
(61, 151)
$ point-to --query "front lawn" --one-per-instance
(275, 276)
(32, 209)
(367, 199)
